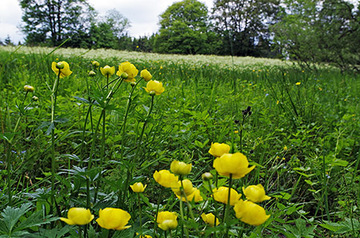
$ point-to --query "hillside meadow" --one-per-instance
(105, 143)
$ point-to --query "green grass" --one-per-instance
(303, 136)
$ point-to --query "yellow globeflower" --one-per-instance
(107, 71)
(235, 164)
(255, 193)
(187, 188)
(62, 67)
(167, 220)
(78, 216)
(180, 168)
(28, 88)
(221, 195)
(95, 63)
(166, 179)
(113, 219)
(138, 187)
(154, 87)
(210, 219)
(127, 71)
(146, 75)
(143, 236)
(250, 213)
(218, 149)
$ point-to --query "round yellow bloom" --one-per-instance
(28, 88)
(180, 168)
(167, 220)
(221, 195)
(146, 75)
(78, 216)
(107, 71)
(250, 213)
(127, 71)
(166, 179)
(95, 63)
(138, 187)
(255, 193)
(218, 149)
(154, 87)
(207, 176)
(64, 71)
(234, 164)
(113, 218)
(143, 236)
(187, 188)
(210, 219)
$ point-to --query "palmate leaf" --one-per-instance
(10, 216)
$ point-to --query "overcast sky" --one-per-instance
(142, 14)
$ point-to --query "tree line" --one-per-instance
(309, 31)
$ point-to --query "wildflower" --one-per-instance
(221, 195)
(207, 176)
(195, 196)
(95, 63)
(92, 73)
(250, 213)
(298, 83)
(113, 218)
(180, 168)
(143, 236)
(127, 71)
(210, 219)
(277, 102)
(234, 164)
(154, 87)
(78, 216)
(218, 149)
(285, 148)
(187, 188)
(166, 179)
(107, 71)
(138, 187)
(34, 98)
(255, 193)
(28, 88)
(146, 75)
(62, 67)
(167, 220)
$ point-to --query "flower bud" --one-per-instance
(92, 73)
(95, 63)
(34, 98)
(207, 176)
(28, 88)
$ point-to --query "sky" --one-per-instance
(142, 14)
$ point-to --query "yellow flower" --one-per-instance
(145, 74)
(221, 195)
(28, 88)
(298, 83)
(187, 188)
(250, 213)
(143, 236)
(193, 197)
(62, 67)
(166, 179)
(95, 63)
(210, 219)
(207, 176)
(218, 149)
(113, 218)
(127, 71)
(255, 193)
(107, 71)
(154, 87)
(78, 216)
(234, 164)
(138, 187)
(180, 168)
(167, 220)
(285, 148)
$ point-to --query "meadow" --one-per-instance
(210, 146)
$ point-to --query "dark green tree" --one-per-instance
(50, 22)
(184, 29)
(320, 32)
(244, 25)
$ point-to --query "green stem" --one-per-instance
(227, 209)
(140, 213)
(215, 205)
(146, 120)
(182, 194)
(8, 163)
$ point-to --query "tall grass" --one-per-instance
(302, 135)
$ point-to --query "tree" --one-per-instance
(320, 32)
(51, 22)
(184, 29)
(244, 25)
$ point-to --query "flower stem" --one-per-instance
(227, 209)
(145, 122)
